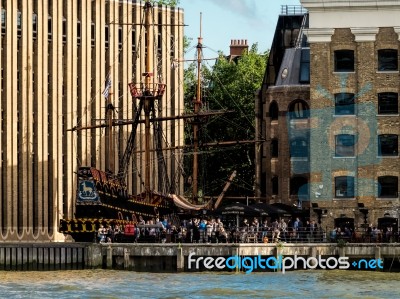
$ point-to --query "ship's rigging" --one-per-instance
(148, 93)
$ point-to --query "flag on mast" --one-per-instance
(106, 91)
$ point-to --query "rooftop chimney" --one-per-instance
(238, 46)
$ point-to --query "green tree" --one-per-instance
(172, 3)
(230, 85)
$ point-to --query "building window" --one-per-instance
(273, 111)
(344, 61)
(298, 110)
(34, 25)
(344, 187)
(106, 37)
(133, 40)
(388, 103)
(159, 44)
(388, 186)
(274, 148)
(2, 80)
(344, 146)
(387, 60)
(172, 45)
(305, 66)
(299, 148)
(275, 185)
(120, 38)
(388, 145)
(78, 33)
(3, 21)
(64, 30)
(19, 24)
(18, 81)
(344, 104)
(49, 28)
(93, 34)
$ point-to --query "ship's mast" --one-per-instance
(110, 163)
(148, 95)
(197, 106)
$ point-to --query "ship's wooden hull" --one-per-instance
(104, 201)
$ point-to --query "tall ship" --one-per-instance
(102, 196)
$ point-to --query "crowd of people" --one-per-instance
(371, 234)
(282, 230)
(193, 230)
(213, 230)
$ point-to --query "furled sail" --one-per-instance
(183, 203)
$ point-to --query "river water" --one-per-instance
(124, 284)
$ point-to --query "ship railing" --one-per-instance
(140, 90)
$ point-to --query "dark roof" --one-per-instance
(295, 67)
(286, 47)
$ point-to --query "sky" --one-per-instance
(224, 20)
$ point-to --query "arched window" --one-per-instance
(273, 111)
(298, 110)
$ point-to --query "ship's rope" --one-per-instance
(249, 120)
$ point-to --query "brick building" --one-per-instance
(341, 155)
(354, 115)
(282, 161)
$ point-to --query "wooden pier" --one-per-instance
(171, 257)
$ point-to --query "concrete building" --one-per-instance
(55, 57)
(354, 161)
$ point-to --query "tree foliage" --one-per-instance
(229, 85)
(172, 3)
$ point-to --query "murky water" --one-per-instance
(124, 284)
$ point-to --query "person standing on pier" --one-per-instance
(101, 234)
